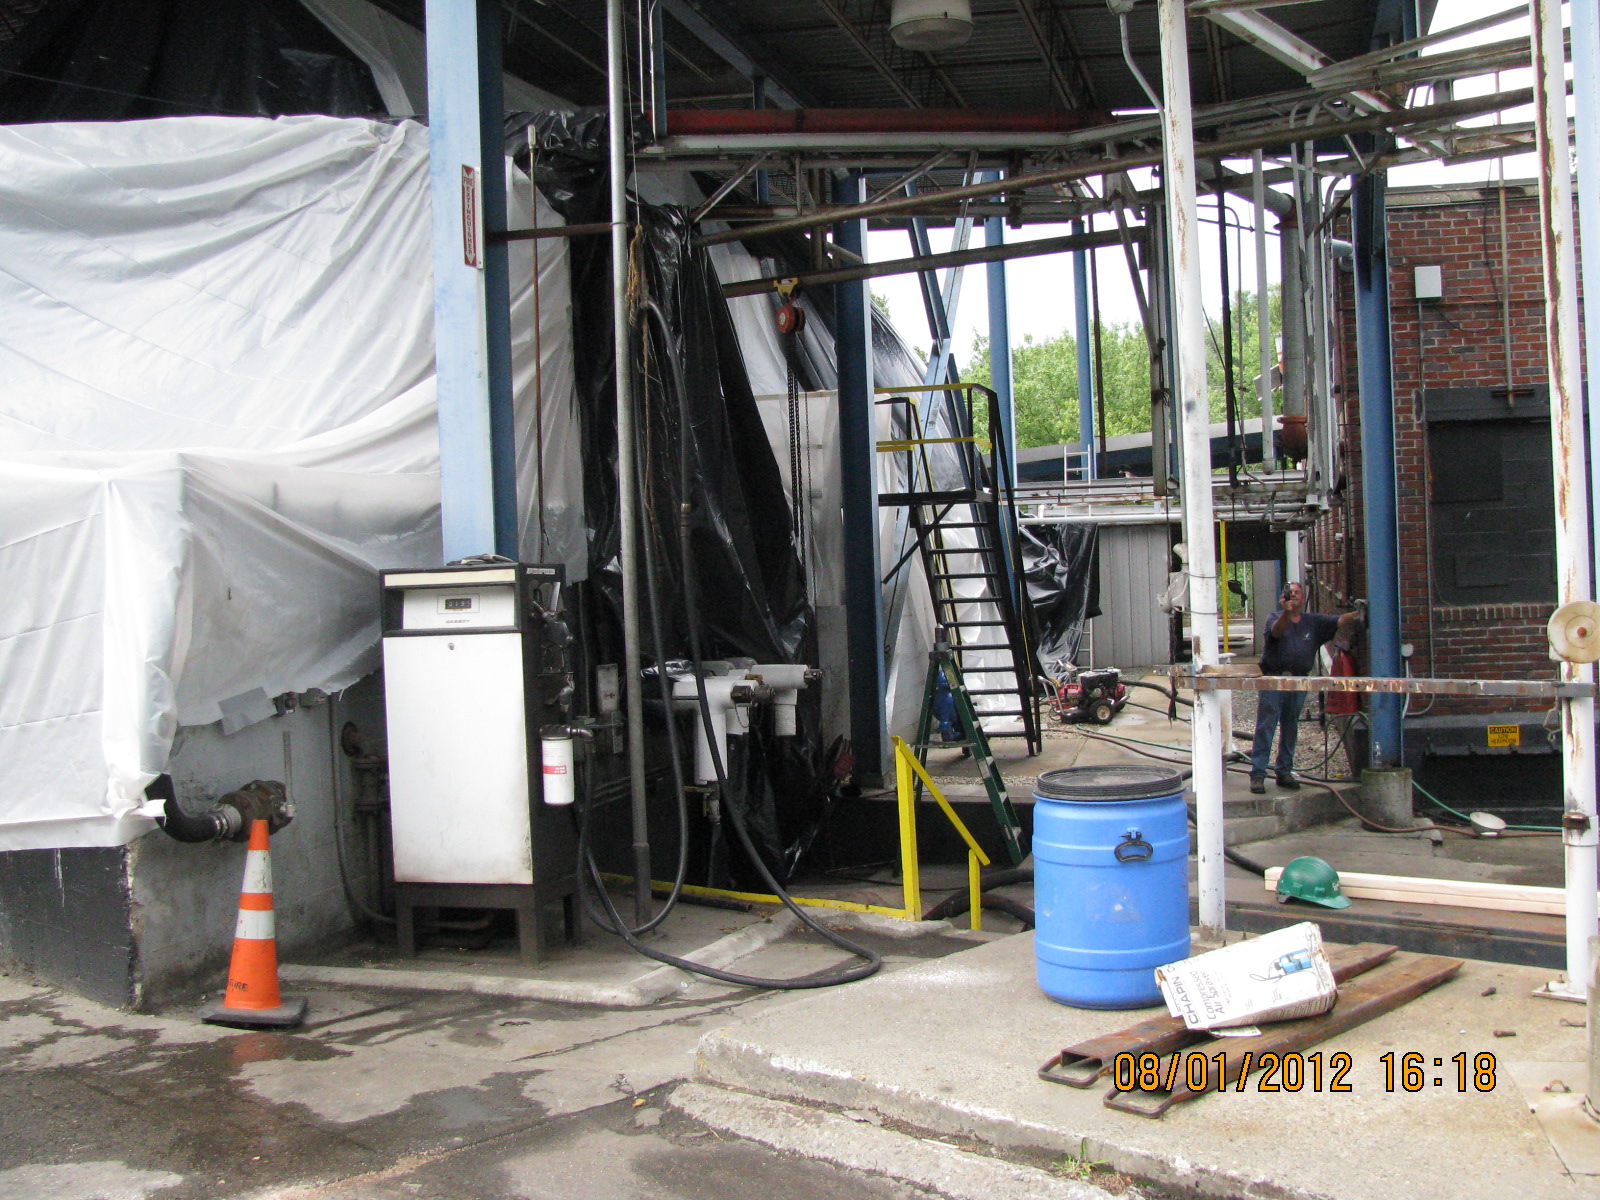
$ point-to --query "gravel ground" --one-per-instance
(1318, 751)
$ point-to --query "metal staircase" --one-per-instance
(956, 486)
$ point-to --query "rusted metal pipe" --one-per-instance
(1193, 407)
(1523, 689)
(929, 262)
(1430, 114)
(1573, 570)
(551, 231)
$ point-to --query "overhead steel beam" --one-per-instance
(1222, 148)
(1068, 95)
(709, 29)
(1294, 51)
(1412, 45)
(1288, 48)
(889, 74)
(1204, 8)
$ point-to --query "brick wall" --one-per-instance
(1455, 342)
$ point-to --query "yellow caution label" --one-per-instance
(1505, 735)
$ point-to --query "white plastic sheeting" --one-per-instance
(396, 53)
(216, 422)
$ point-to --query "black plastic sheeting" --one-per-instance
(690, 383)
(108, 60)
(1063, 571)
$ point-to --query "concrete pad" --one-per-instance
(623, 988)
(84, 1181)
(953, 1046)
(1555, 1093)
(820, 1135)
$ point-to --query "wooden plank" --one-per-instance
(1381, 991)
(1082, 1064)
(1459, 893)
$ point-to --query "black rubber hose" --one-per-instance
(989, 879)
(1232, 855)
(686, 558)
(675, 751)
(1005, 877)
(1156, 687)
(961, 902)
(179, 825)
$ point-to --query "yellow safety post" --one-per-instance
(910, 869)
(975, 889)
(905, 764)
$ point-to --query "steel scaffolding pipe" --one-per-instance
(928, 262)
(1431, 115)
(1574, 574)
(1192, 403)
(627, 517)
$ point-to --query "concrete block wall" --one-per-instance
(151, 923)
(1454, 342)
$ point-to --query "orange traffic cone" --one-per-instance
(252, 999)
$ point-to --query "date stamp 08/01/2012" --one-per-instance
(1294, 1072)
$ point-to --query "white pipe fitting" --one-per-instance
(786, 680)
(720, 692)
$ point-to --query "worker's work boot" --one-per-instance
(1258, 784)
(1288, 781)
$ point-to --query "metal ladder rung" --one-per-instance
(972, 624)
(982, 646)
(965, 575)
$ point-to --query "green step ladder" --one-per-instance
(973, 739)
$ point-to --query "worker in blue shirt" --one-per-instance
(1292, 640)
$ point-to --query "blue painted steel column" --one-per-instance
(1380, 525)
(994, 234)
(858, 469)
(1080, 286)
(472, 310)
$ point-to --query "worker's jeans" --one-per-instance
(1275, 709)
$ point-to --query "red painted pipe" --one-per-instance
(877, 120)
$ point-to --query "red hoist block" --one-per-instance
(791, 318)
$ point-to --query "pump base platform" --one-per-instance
(286, 1016)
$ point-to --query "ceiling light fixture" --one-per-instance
(930, 24)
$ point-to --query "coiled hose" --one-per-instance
(871, 961)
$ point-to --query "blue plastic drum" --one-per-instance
(1110, 882)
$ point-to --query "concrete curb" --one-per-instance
(861, 1146)
(724, 1059)
(871, 922)
(640, 993)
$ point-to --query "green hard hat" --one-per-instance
(1313, 879)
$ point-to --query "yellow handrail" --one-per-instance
(905, 766)
(908, 443)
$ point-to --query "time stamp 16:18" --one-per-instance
(1294, 1072)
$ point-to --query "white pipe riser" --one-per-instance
(1179, 181)
(1573, 570)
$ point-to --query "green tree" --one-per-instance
(1045, 376)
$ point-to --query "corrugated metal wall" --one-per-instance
(1131, 631)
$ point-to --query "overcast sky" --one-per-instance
(1041, 289)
